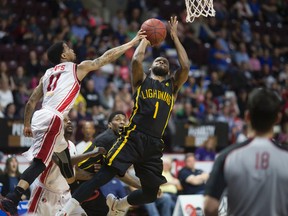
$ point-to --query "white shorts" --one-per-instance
(48, 203)
(48, 135)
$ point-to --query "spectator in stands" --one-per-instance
(283, 76)
(242, 9)
(33, 67)
(219, 59)
(11, 177)
(79, 29)
(241, 54)
(207, 151)
(34, 28)
(11, 112)
(173, 185)
(3, 69)
(270, 11)
(6, 95)
(107, 97)
(100, 81)
(254, 62)
(20, 77)
(91, 96)
(161, 207)
(202, 30)
(220, 7)
(256, 9)
(216, 86)
(192, 180)
(244, 134)
(119, 21)
(242, 102)
(88, 131)
(116, 187)
(99, 115)
(83, 48)
(21, 96)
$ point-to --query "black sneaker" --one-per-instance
(8, 206)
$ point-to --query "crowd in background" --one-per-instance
(241, 48)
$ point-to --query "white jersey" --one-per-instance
(51, 191)
(52, 178)
(60, 87)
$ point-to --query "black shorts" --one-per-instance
(141, 150)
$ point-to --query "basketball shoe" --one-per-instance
(8, 206)
(112, 202)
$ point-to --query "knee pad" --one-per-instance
(33, 171)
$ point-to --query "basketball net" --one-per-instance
(196, 8)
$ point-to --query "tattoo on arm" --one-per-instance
(110, 56)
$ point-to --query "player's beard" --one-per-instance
(159, 71)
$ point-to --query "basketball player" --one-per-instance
(140, 143)
(51, 190)
(255, 171)
(59, 87)
(96, 204)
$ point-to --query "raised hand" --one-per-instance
(173, 23)
(140, 35)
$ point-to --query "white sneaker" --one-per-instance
(111, 202)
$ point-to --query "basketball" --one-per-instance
(155, 31)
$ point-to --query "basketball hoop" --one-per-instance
(196, 8)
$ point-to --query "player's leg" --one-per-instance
(43, 202)
(142, 196)
(85, 190)
(78, 211)
(119, 158)
(46, 129)
(150, 173)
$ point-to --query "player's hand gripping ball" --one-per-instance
(155, 31)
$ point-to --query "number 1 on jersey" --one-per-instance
(156, 110)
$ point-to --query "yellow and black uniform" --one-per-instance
(96, 206)
(106, 139)
(140, 144)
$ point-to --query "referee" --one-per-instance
(255, 171)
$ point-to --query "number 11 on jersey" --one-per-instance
(156, 110)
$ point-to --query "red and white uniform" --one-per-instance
(60, 89)
(51, 191)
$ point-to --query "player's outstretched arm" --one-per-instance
(138, 74)
(181, 74)
(96, 152)
(30, 107)
(109, 56)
